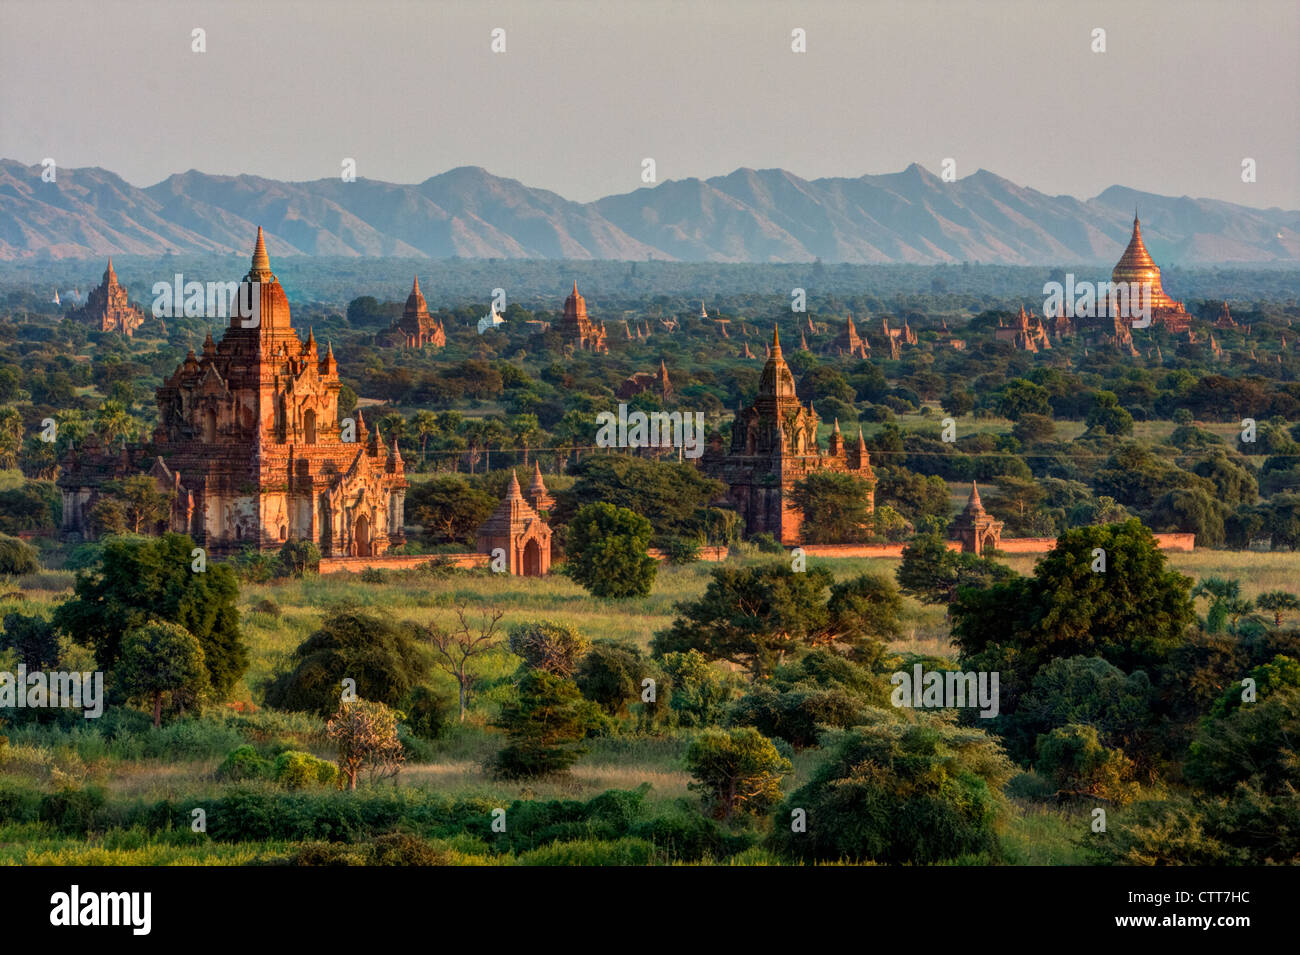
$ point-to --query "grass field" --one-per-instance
(178, 765)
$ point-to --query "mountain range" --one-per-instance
(750, 215)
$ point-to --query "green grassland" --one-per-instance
(176, 766)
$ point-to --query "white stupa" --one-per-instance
(491, 320)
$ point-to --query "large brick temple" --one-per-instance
(774, 447)
(108, 308)
(249, 440)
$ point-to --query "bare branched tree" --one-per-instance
(453, 649)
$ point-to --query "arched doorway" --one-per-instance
(361, 537)
(325, 528)
(209, 427)
(309, 426)
(532, 559)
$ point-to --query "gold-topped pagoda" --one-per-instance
(1136, 265)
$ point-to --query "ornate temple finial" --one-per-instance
(974, 496)
(260, 271)
(514, 492)
(415, 289)
(776, 343)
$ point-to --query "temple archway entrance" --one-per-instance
(532, 559)
(361, 536)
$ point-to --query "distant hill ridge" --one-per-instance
(750, 215)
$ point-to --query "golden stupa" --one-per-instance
(1136, 265)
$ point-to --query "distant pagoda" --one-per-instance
(107, 307)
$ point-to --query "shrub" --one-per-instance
(1079, 765)
(267, 606)
(549, 647)
(736, 771)
(383, 657)
(697, 690)
(17, 557)
(680, 550)
(544, 725)
(911, 788)
(294, 770)
(610, 675)
(245, 763)
(428, 714)
(605, 551)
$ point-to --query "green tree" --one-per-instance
(383, 657)
(11, 437)
(737, 770)
(901, 789)
(864, 609)
(159, 659)
(448, 507)
(33, 639)
(605, 550)
(549, 647)
(933, 573)
(114, 424)
(144, 579)
(545, 725)
(1278, 602)
(751, 616)
(143, 504)
(835, 508)
(1132, 613)
(610, 675)
(669, 494)
(1079, 765)
(1253, 744)
(1021, 397)
(17, 557)
(525, 430)
(425, 425)
(298, 558)
(1107, 414)
(365, 732)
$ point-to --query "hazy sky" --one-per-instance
(586, 90)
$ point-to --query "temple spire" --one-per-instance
(514, 492)
(974, 500)
(260, 271)
(776, 342)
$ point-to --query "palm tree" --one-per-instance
(1279, 602)
(392, 425)
(475, 433)
(425, 424)
(526, 430)
(494, 432)
(112, 423)
(1228, 608)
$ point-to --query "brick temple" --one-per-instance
(108, 308)
(577, 329)
(517, 531)
(250, 443)
(417, 328)
(774, 447)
